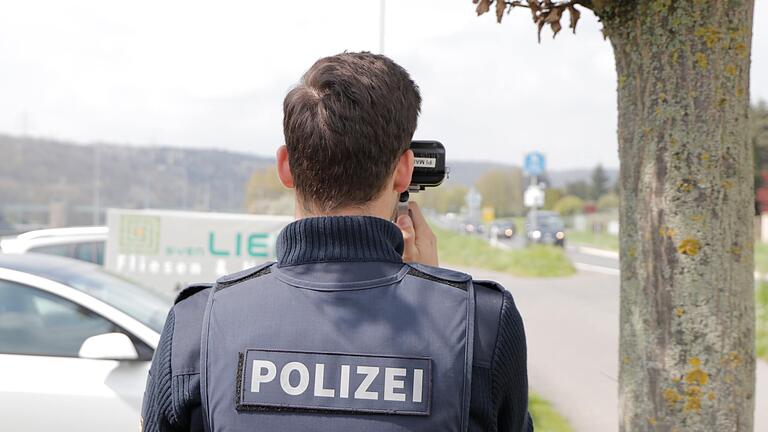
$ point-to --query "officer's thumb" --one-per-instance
(405, 224)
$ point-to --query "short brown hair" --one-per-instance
(346, 123)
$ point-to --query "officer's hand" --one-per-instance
(420, 241)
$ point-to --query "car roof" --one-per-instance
(63, 232)
(56, 268)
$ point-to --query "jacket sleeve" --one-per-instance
(161, 411)
(509, 371)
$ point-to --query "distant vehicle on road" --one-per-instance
(472, 227)
(75, 345)
(504, 228)
(82, 243)
(545, 227)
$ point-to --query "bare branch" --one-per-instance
(543, 12)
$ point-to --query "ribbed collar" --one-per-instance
(339, 238)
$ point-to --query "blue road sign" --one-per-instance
(534, 163)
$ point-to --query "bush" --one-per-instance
(569, 205)
(608, 201)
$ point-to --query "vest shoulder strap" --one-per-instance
(191, 290)
(489, 297)
(246, 274)
(447, 276)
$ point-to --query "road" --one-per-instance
(572, 329)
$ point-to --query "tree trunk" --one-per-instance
(687, 294)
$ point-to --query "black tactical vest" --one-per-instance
(390, 354)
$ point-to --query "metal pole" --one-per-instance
(24, 124)
(534, 223)
(382, 24)
(146, 190)
(96, 183)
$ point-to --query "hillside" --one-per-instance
(37, 172)
(41, 171)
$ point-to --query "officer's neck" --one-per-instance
(381, 207)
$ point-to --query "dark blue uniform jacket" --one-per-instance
(344, 250)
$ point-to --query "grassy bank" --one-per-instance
(761, 325)
(761, 257)
(587, 238)
(545, 418)
(535, 261)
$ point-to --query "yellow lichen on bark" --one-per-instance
(701, 60)
(689, 247)
(697, 376)
(710, 35)
(672, 396)
(693, 399)
(741, 49)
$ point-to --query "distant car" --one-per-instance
(82, 243)
(472, 227)
(545, 227)
(504, 229)
(75, 345)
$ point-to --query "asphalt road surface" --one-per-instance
(572, 330)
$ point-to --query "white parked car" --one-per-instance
(83, 243)
(75, 345)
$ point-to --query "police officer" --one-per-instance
(355, 327)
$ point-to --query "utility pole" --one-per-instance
(96, 184)
(382, 24)
(25, 124)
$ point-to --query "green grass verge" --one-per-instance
(586, 238)
(761, 325)
(535, 261)
(761, 257)
(545, 418)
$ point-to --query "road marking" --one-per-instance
(594, 251)
(501, 245)
(611, 254)
(597, 269)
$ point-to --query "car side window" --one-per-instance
(64, 250)
(34, 322)
(90, 252)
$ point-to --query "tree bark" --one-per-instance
(687, 358)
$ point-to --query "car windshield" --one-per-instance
(140, 303)
(549, 222)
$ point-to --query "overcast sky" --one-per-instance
(213, 74)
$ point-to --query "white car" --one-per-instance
(83, 243)
(75, 345)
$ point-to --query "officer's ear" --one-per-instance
(403, 171)
(283, 168)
